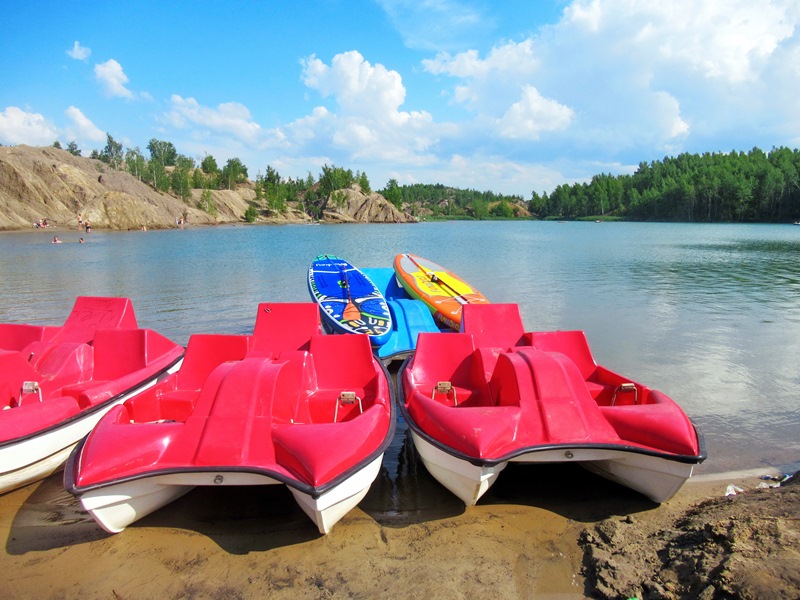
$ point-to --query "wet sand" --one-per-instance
(409, 538)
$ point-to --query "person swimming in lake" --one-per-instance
(55, 240)
(80, 241)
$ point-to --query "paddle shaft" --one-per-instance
(438, 280)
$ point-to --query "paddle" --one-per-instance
(439, 281)
(351, 311)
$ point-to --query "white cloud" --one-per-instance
(436, 24)
(230, 119)
(79, 52)
(20, 127)
(631, 78)
(368, 121)
(84, 128)
(718, 39)
(113, 79)
(533, 114)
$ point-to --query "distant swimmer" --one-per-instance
(56, 240)
(80, 241)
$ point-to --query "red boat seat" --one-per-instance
(496, 325)
(572, 344)
(443, 357)
(285, 326)
(204, 353)
(16, 337)
(343, 363)
(91, 313)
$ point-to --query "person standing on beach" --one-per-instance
(88, 226)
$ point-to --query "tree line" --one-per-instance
(712, 187)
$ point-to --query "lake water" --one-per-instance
(709, 314)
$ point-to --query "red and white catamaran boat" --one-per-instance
(493, 394)
(285, 405)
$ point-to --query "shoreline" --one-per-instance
(408, 538)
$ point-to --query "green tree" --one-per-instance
(135, 163)
(393, 193)
(181, 179)
(363, 183)
(112, 153)
(251, 214)
(57, 144)
(162, 152)
(73, 149)
(232, 173)
(207, 203)
(209, 165)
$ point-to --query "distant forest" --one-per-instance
(735, 187)
(713, 187)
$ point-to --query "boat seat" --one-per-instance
(284, 326)
(91, 313)
(15, 337)
(572, 344)
(497, 325)
(204, 353)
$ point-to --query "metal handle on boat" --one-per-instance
(30, 387)
(626, 388)
(347, 398)
(445, 387)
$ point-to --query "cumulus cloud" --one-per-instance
(633, 78)
(20, 127)
(229, 118)
(533, 114)
(83, 129)
(79, 52)
(717, 39)
(368, 120)
(113, 79)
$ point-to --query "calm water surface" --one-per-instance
(709, 314)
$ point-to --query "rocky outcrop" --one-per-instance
(46, 182)
(351, 205)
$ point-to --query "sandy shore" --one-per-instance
(533, 536)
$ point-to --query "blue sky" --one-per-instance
(512, 96)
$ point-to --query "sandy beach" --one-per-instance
(541, 532)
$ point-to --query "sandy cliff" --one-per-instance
(46, 182)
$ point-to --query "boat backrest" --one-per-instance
(496, 325)
(119, 352)
(15, 337)
(207, 351)
(573, 344)
(91, 313)
(443, 357)
(342, 361)
(282, 326)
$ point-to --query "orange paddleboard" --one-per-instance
(443, 292)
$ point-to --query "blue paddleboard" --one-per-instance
(348, 300)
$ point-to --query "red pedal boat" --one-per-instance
(56, 382)
(286, 405)
(492, 394)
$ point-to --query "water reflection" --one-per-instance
(709, 314)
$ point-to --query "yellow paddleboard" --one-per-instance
(442, 291)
